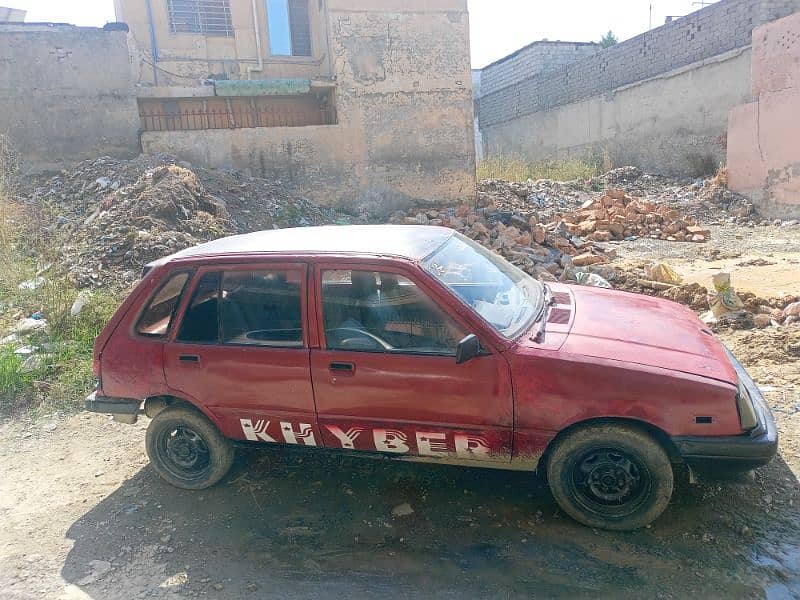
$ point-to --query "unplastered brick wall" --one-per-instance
(714, 30)
(534, 59)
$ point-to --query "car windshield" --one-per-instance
(504, 295)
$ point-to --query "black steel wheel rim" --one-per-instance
(609, 482)
(184, 453)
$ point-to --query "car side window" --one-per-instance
(200, 322)
(243, 307)
(157, 317)
(372, 311)
(262, 308)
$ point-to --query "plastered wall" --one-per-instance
(66, 94)
(405, 114)
(659, 100)
(763, 148)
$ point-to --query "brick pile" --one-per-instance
(617, 216)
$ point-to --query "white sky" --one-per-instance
(498, 26)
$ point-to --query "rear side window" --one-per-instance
(157, 317)
(243, 307)
(200, 323)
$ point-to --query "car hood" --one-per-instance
(639, 329)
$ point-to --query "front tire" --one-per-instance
(186, 449)
(610, 476)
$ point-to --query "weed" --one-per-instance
(15, 379)
(513, 169)
(57, 372)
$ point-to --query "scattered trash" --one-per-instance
(121, 214)
(32, 284)
(592, 279)
(724, 299)
(29, 324)
(80, 303)
(662, 273)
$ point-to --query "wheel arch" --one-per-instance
(658, 434)
(157, 403)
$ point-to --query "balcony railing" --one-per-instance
(197, 119)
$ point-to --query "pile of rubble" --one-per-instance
(165, 210)
(546, 251)
(617, 216)
(548, 228)
(117, 215)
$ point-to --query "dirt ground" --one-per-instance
(83, 516)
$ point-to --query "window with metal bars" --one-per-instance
(289, 27)
(208, 17)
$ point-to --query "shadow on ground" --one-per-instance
(313, 525)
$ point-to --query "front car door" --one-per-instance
(241, 352)
(386, 379)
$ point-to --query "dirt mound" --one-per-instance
(117, 215)
(765, 347)
(165, 210)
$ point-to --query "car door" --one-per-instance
(386, 379)
(241, 352)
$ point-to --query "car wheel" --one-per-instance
(186, 449)
(610, 476)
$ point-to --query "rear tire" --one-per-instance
(186, 449)
(610, 476)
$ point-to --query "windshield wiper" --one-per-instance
(548, 302)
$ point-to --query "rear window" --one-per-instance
(157, 317)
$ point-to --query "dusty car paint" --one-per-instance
(604, 354)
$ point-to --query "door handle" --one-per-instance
(343, 368)
(189, 358)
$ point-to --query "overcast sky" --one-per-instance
(498, 26)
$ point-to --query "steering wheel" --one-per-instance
(351, 338)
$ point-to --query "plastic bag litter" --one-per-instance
(662, 273)
(724, 299)
(80, 302)
(592, 279)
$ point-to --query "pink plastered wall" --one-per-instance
(764, 135)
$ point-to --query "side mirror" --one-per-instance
(467, 349)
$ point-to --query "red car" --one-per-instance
(417, 343)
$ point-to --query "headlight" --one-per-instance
(747, 414)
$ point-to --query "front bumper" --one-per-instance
(125, 410)
(736, 452)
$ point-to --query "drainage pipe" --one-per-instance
(153, 43)
(257, 31)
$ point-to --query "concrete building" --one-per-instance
(659, 101)
(354, 102)
(12, 15)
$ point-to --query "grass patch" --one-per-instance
(513, 169)
(51, 367)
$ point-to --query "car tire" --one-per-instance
(610, 476)
(186, 449)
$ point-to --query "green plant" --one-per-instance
(514, 169)
(609, 40)
(9, 164)
(58, 371)
(15, 379)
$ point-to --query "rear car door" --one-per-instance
(386, 378)
(240, 351)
